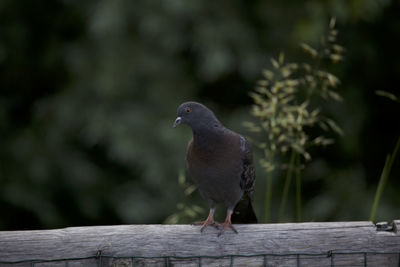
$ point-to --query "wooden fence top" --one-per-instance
(276, 244)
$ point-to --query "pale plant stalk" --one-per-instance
(383, 179)
(268, 191)
(298, 188)
(286, 186)
(268, 196)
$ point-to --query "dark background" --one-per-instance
(89, 91)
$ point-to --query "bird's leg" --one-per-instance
(208, 221)
(227, 223)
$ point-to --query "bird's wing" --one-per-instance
(248, 176)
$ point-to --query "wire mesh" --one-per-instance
(99, 257)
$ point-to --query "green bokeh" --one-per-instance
(89, 91)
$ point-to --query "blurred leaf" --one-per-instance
(281, 59)
(388, 95)
(309, 50)
(332, 23)
(275, 63)
(334, 126)
(189, 190)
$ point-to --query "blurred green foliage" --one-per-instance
(89, 91)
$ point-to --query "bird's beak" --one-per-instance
(177, 122)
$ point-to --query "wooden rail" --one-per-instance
(286, 244)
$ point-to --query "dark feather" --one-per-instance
(244, 212)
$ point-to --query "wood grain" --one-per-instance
(182, 245)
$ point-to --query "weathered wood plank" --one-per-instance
(184, 245)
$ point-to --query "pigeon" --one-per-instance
(221, 165)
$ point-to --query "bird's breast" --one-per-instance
(215, 162)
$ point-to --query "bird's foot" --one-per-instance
(208, 221)
(227, 224)
(204, 224)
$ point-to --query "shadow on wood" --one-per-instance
(288, 244)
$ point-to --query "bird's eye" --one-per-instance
(188, 110)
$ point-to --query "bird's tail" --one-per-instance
(244, 212)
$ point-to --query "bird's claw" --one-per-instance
(225, 225)
(206, 223)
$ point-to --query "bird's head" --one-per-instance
(195, 115)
